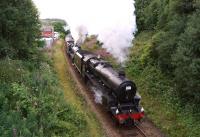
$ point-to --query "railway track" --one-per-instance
(106, 120)
(141, 131)
(135, 131)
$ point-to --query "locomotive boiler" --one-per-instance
(119, 93)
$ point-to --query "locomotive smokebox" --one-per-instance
(122, 73)
(126, 91)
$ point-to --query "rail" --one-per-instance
(141, 131)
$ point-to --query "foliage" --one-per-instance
(31, 100)
(165, 63)
(19, 29)
(59, 27)
(175, 43)
(187, 61)
(52, 21)
(32, 104)
(159, 98)
(62, 35)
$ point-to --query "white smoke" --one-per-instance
(97, 94)
(82, 34)
(113, 20)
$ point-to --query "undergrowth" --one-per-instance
(32, 103)
(157, 90)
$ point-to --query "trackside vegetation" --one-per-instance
(165, 62)
(32, 101)
(72, 94)
(161, 105)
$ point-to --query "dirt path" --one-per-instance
(109, 126)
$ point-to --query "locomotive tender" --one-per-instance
(119, 93)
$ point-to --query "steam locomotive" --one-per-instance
(119, 93)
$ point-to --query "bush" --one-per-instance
(159, 95)
(32, 104)
(175, 43)
(19, 29)
(187, 62)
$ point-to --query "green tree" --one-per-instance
(19, 28)
(59, 27)
(187, 61)
(175, 42)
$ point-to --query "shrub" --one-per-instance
(32, 104)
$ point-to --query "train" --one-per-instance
(120, 96)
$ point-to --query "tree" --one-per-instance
(187, 61)
(19, 28)
(175, 42)
(58, 26)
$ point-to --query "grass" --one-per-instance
(71, 93)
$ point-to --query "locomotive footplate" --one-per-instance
(126, 113)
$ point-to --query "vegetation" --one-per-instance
(32, 102)
(52, 21)
(72, 93)
(19, 29)
(58, 24)
(161, 104)
(175, 43)
(165, 62)
(58, 27)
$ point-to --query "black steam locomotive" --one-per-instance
(119, 93)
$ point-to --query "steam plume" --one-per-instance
(112, 20)
(82, 33)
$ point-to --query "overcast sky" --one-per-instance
(110, 19)
(91, 12)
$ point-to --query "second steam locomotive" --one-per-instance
(119, 93)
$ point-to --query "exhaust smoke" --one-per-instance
(112, 20)
(97, 94)
(82, 34)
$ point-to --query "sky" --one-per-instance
(112, 20)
